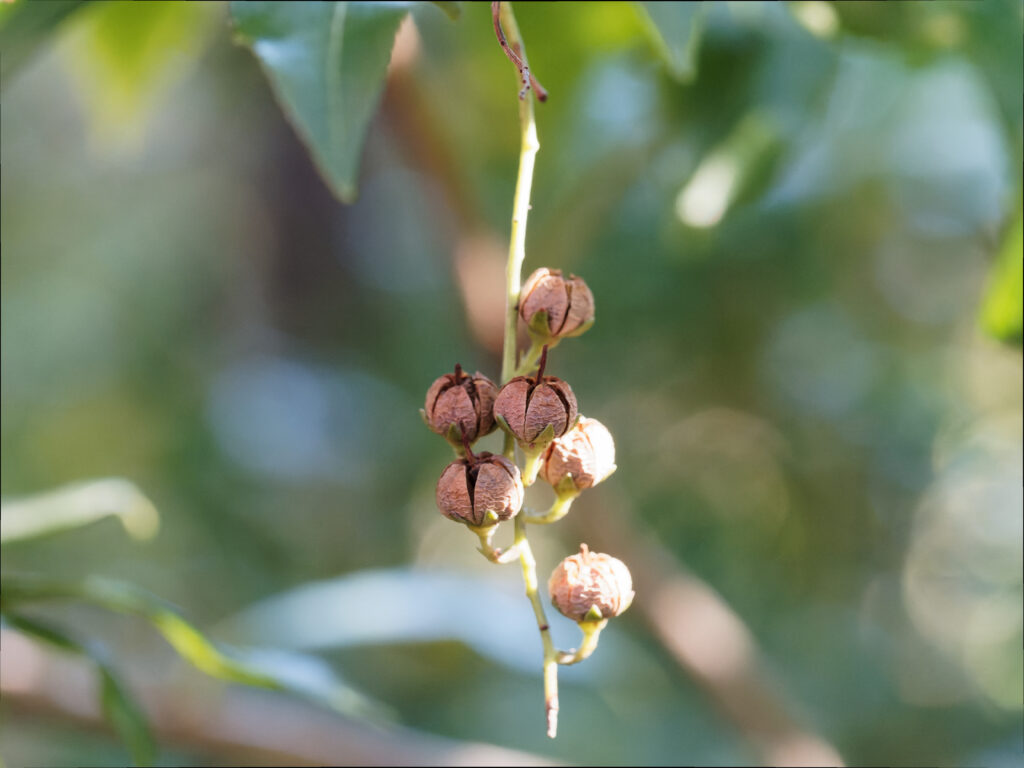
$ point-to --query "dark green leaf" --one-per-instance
(24, 26)
(675, 29)
(327, 64)
(120, 709)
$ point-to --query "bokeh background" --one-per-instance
(819, 443)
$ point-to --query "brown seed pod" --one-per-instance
(566, 303)
(531, 404)
(591, 586)
(480, 490)
(461, 401)
(583, 456)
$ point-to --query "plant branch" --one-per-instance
(550, 653)
(505, 24)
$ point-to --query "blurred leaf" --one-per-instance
(119, 708)
(453, 9)
(191, 644)
(327, 64)
(1002, 313)
(404, 605)
(391, 606)
(24, 26)
(675, 29)
(77, 505)
(127, 55)
(188, 641)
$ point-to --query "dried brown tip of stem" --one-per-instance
(470, 457)
(529, 81)
(541, 363)
(459, 375)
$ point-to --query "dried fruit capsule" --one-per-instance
(537, 408)
(555, 306)
(480, 490)
(461, 405)
(581, 458)
(591, 586)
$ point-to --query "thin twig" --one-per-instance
(513, 52)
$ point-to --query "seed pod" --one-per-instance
(554, 306)
(591, 586)
(463, 403)
(581, 458)
(480, 490)
(537, 408)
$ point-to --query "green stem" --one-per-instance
(486, 548)
(529, 145)
(558, 510)
(550, 653)
(591, 634)
(531, 466)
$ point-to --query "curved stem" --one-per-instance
(558, 510)
(591, 634)
(486, 548)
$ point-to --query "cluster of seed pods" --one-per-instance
(569, 451)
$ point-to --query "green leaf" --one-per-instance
(24, 26)
(119, 708)
(77, 505)
(452, 9)
(1002, 313)
(126, 56)
(191, 644)
(117, 596)
(675, 28)
(327, 64)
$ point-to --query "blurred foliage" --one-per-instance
(789, 250)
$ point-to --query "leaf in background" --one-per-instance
(191, 644)
(327, 64)
(452, 9)
(120, 709)
(126, 56)
(77, 505)
(1002, 313)
(404, 605)
(24, 26)
(675, 29)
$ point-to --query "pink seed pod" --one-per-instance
(566, 303)
(591, 586)
(583, 456)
